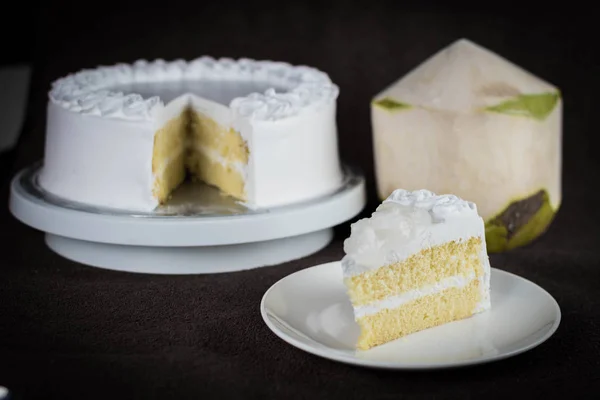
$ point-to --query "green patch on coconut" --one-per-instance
(391, 104)
(537, 106)
(520, 223)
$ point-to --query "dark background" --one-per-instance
(79, 332)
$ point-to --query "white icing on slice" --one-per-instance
(406, 223)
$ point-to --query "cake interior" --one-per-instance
(194, 145)
(434, 286)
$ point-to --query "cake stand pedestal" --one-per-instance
(210, 234)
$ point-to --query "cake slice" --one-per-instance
(419, 261)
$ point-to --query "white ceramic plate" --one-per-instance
(310, 310)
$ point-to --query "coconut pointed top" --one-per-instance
(464, 76)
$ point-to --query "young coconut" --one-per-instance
(469, 122)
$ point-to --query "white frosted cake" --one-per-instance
(419, 261)
(125, 136)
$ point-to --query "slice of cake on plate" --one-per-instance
(418, 262)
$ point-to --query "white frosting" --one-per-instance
(404, 224)
(98, 161)
(90, 91)
(439, 207)
(99, 139)
(217, 157)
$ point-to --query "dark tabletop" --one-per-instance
(72, 331)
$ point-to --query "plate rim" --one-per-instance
(405, 366)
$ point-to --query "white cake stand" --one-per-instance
(208, 234)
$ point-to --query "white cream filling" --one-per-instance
(457, 281)
(210, 153)
(215, 156)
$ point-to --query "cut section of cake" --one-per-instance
(418, 262)
(196, 145)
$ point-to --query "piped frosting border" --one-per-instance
(88, 91)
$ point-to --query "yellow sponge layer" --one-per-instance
(427, 267)
(226, 142)
(426, 312)
(194, 143)
(168, 157)
(170, 178)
